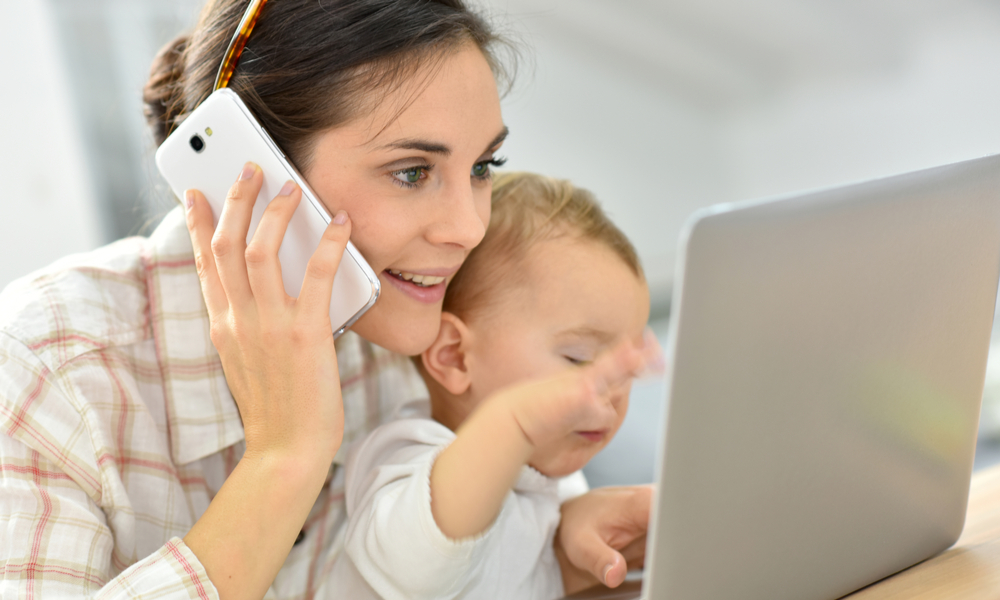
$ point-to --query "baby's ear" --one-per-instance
(445, 360)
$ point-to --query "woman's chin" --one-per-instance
(408, 334)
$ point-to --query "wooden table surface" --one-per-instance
(969, 570)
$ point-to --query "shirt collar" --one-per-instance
(202, 417)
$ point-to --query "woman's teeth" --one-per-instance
(421, 280)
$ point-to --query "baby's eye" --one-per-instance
(576, 361)
(411, 176)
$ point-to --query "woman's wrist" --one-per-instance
(243, 538)
(299, 462)
(291, 471)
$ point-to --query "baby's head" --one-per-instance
(552, 285)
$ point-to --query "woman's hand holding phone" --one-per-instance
(277, 351)
(281, 366)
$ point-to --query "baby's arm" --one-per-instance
(473, 475)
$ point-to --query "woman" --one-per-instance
(136, 460)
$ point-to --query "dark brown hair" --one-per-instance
(528, 208)
(311, 65)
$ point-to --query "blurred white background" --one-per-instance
(659, 106)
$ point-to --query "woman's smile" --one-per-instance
(426, 285)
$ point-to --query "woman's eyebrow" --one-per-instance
(437, 147)
(498, 139)
(416, 144)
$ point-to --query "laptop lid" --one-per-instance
(827, 357)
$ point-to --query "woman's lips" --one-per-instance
(593, 436)
(430, 294)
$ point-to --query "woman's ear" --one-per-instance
(446, 360)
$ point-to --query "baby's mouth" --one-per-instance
(417, 280)
(592, 436)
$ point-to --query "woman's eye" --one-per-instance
(481, 169)
(411, 176)
(484, 169)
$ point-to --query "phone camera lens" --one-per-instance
(197, 143)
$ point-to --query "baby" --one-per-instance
(541, 335)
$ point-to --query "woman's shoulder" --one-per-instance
(49, 321)
(79, 303)
(93, 300)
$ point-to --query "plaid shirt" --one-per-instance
(117, 428)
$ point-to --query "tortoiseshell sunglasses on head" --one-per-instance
(238, 43)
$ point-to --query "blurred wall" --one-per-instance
(48, 209)
(108, 46)
(933, 100)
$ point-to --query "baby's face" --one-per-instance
(580, 299)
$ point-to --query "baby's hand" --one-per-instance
(582, 399)
(473, 475)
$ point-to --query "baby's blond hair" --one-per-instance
(527, 208)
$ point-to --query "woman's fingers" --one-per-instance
(317, 289)
(263, 267)
(598, 526)
(201, 227)
(635, 553)
(594, 555)
(230, 240)
(612, 567)
(587, 549)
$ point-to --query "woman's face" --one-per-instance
(414, 176)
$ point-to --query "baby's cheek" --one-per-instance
(620, 403)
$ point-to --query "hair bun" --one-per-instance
(163, 94)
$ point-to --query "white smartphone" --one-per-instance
(208, 151)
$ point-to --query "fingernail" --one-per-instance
(654, 369)
(248, 171)
(340, 218)
(188, 199)
(607, 569)
(658, 362)
(287, 189)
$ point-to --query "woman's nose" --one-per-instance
(462, 219)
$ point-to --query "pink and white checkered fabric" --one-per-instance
(117, 428)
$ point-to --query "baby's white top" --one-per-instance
(394, 548)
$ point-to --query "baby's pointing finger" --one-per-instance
(616, 367)
(652, 352)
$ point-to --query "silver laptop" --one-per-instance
(827, 357)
